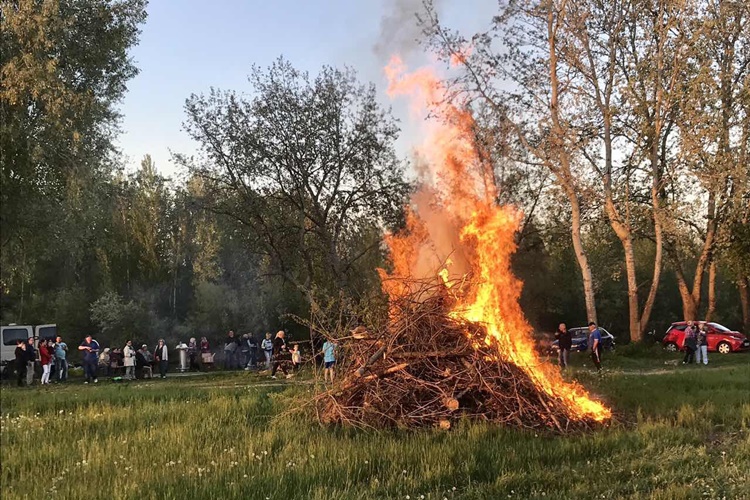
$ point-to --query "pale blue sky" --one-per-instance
(188, 46)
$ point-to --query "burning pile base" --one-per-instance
(431, 369)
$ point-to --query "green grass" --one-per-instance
(681, 432)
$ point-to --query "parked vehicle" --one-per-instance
(720, 338)
(580, 337)
(9, 336)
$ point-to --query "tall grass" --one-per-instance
(681, 434)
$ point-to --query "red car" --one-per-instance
(720, 338)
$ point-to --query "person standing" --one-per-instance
(90, 348)
(595, 343)
(701, 352)
(30, 361)
(329, 360)
(21, 359)
(267, 347)
(253, 355)
(128, 360)
(61, 359)
(45, 358)
(279, 354)
(690, 344)
(230, 348)
(193, 353)
(296, 358)
(244, 351)
(564, 344)
(161, 356)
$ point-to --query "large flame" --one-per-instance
(455, 229)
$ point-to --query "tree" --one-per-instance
(624, 58)
(64, 65)
(713, 143)
(306, 166)
(523, 85)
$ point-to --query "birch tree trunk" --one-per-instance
(581, 258)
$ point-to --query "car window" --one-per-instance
(719, 328)
(12, 335)
(48, 332)
(680, 327)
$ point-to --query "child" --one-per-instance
(296, 358)
(267, 347)
(329, 358)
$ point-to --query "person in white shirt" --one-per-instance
(128, 354)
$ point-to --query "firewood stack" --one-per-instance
(426, 368)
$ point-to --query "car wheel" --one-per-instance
(724, 348)
(671, 347)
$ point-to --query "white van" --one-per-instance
(9, 336)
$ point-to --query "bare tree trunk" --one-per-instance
(658, 231)
(711, 290)
(744, 285)
(174, 290)
(622, 231)
(689, 309)
(705, 256)
(633, 309)
(23, 282)
(554, 19)
(583, 262)
(649, 305)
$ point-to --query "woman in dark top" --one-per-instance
(279, 354)
(21, 361)
(690, 344)
(564, 342)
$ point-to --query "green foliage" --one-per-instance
(117, 319)
(305, 166)
(64, 65)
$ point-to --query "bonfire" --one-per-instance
(456, 343)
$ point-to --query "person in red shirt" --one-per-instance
(45, 358)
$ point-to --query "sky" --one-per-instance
(188, 46)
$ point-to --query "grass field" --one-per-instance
(681, 432)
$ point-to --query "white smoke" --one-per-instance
(399, 28)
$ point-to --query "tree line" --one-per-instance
(619, 127)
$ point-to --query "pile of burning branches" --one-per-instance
(426, 367)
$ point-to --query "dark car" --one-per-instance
(720, 338)
(580, 337)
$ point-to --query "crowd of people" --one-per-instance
(696, 344)
(52, 355)
(240, 352)
(273, 353)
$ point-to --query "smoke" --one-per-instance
(399, 28)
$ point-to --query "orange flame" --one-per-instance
(455, 215)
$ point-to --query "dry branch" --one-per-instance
(421, 368)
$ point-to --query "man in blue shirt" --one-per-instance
(595, 343)
(90, 348)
